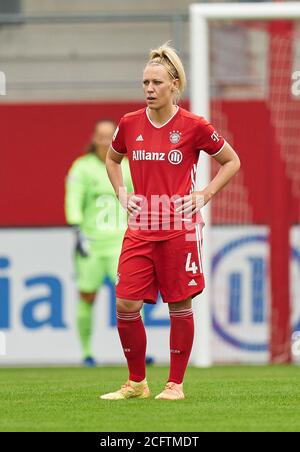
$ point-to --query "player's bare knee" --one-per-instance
(184, 304)
(128, 305)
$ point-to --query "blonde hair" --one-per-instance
(166, 56)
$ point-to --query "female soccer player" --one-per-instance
(162, 245)
(88, 189)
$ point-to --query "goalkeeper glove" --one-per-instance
(82, 243)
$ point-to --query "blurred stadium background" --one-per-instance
(69, 63)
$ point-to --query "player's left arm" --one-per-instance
(229, 166)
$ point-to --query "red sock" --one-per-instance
(133, 339)
(181, 342)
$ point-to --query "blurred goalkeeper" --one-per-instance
(93, 210)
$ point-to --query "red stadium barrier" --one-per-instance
(39, 142)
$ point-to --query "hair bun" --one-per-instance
(167, 56)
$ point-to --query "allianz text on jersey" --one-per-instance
(174, 156)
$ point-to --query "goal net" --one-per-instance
(245, 63)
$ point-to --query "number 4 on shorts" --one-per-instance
(190, 267)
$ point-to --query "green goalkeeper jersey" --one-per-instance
(91, 203)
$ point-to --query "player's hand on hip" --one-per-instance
(188, 205)
(130, 202)
(133, 207)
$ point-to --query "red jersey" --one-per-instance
(163, 162)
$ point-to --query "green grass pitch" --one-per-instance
(235, 398)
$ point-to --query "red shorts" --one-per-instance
(173, 267)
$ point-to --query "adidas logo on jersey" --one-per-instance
(139, 138)
(192, 283)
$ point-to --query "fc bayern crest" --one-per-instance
(175, 136)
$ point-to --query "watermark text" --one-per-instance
(295, 89)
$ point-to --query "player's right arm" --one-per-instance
(114, 158)
(114, 170)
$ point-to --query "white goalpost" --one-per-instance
(201, 16)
